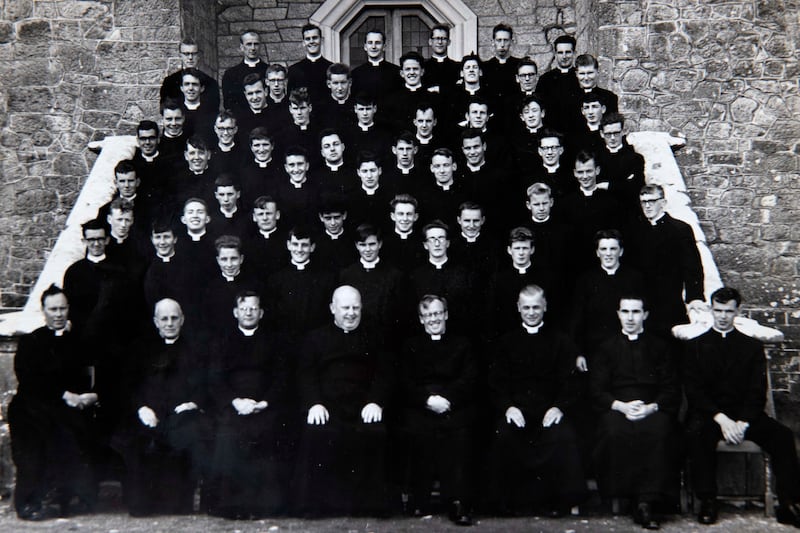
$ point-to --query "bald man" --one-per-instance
(343, 376)
(163, 423)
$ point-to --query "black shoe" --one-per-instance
(708, 512)
(459, 514)
(643, 515)
(35, 513)
(789, 514)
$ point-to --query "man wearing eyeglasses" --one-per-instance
(663, 249)
(190, 59)
(622, 167)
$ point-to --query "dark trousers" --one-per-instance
(443, 454)
(776, 439)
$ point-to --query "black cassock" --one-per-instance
(50, 441)
(163, 463)
(341, 464)
(533, 466)
(249, 470)
(636, 458)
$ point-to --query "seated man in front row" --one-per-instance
(726, 383)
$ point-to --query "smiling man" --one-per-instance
(190, 59)
(310, 72)
(232, 88)
(377, 76)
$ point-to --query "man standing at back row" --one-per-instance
(232, 87)
(190, 58)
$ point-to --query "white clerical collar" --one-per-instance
(438, 265)
(298, 184)
(593, 127)
(610, 271)
(588, 193)
(263, 164)
(277, 101)
(403, 234)
(553, 169)
(366, 127)
(532, 330)
(445, 186)
(190, 106)
(301, 266)
(533, 130)
(472, 91)
(654, 221)
(476, 168)
(334, 236)
(197, 236)
(424, 140)
(129, 198)
(303, 127)
(540, 221)
(228, 278)
(404, 170)
(564, 70)
(170, 341)
(435, 337)
(257, 111)
(226, 147)
(199, 172)
(722, 333)
(166, 258)
(369, 265)
(633, 336)
(369, 192)
(248, 332)
(60, 332)
(334, 168)
(414, 88)
(439, 59)
(168, 136)
(229, 214)
(117, 238)
(470, 239)
(250, 62)
(267, 234)
(614, 150)
(501, 60)
(315, 58)
(150, 158)
(96, 258)
(587, 91)
(341, 102)
(523, 269)
(375, 63)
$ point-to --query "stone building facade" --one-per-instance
(722, 72)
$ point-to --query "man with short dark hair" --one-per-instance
(200, 114)
(724, 376)
(623, 167)
(500, 70)
(228, 153)
(261, 172)
(440, 72)
(443, 191)
(377, 76)
(364, 133)
(232, 88)
(401, 243)
(399, 108)
(555, 84)
(334, 236)
(229, 217)
(173, 134)
(190, 58)
(406, 172)
(265, 244)
(335, 110)
(310, 72)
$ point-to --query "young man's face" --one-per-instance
(609, 251)
(531, 309)
(369, 248)
(411, 72)
(442, 168)
(195, 217)
(339, 84)
(434, 318)
(250, 46)
(301, 113)
(262, 149)
(332, 149)
(370, 173)
(333, 221)
(173, 122)
(612, 135)
(424, 122)
(227, 197)
(197, 158)
(471, 222)
(436, 243)
(95, 241)
(405, 152)
(586, 174)
(532, 115)
(471, 72)
(191, 88)
(502, 44)
(438, 42)
(276, 84)
(248, 312)
(121, 222)
(365, 114)
(126, 184)
(296, 167)
(148, 141)
(56, 311)
(230, 261)
(631, 315)
(520, 252)
(255, 95)
(190, 55)
(527, 78)
(266, 218)
(164, 243)
(587, 76)
(226, 131)
(404, 215)
(653, 205)
(474, 150)
(373, 46)
(550, 150)
(299, 249)
(724, 313)
(565, 54)
(593, 112)
(477, 115)
(539, 206)
(312, 42)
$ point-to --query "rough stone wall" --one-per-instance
(70, 71)
(724, 73)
